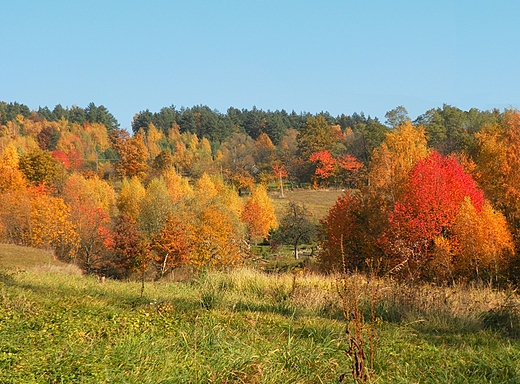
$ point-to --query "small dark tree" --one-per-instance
(296, 227)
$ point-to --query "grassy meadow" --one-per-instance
(317, 201)
(245, 326)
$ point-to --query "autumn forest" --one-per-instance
(435, 199)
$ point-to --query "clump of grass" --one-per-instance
(505, 318)
(212, 290)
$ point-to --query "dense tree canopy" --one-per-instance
(436, 198)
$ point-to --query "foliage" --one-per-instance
(429, 207)
(127, 248)
(341, 235)
(155, 206)
(258, 214)
(132, 152)
(130, 198)
(51, 225)
(11, 178)
(39, 167)
(191, 162)
(214, 238)
(295, 227)
(172, 244)
(317, 136)
(95, 239)
(485, 245)
(324, 164)
(393, 160)
(498, 169)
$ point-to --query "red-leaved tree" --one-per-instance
(428, 209)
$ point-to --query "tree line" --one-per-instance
(432, 198)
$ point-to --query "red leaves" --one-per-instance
(339, 168)
(62, 158)
(434, 193)
(279, 170)
(349, 163)
(324, 164)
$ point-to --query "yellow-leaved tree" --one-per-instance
(178, 186)
(130, 197)
(484, 245)
(258, 214)
(11, 178)
(51, 225)
(214, 238)
(394, 159)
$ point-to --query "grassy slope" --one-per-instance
(317, 201)
(13, 256)
(240, 326)
(235, 327)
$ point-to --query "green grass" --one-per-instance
(244, 326)
(61, 328)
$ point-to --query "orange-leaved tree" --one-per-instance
(324, 166)
(172, 245)
(91, 201)
(258, 214)
(484, 243)
(498, 171)
(132, 152)
(342, 232)
(215, 238)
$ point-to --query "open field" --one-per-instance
(22, 258)
(244, 326)
(318, 201)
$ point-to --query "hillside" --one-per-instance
(15, 257)
(317, 201)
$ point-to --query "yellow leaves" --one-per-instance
(484, 238)
(92, 192)
(133, 154)
(258, 213)
(51, 225)
(209, 190)
(178, 186)
(153, 137)
(130, 197)
(97, 135)
(11, 178)
(214, 238)
(205, 147)
(206, 188)
(395, 158)
(15, 210)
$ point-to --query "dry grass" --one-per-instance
(15, 257)
(428, 306)
(318, 201)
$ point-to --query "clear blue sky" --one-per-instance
(337, 56)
